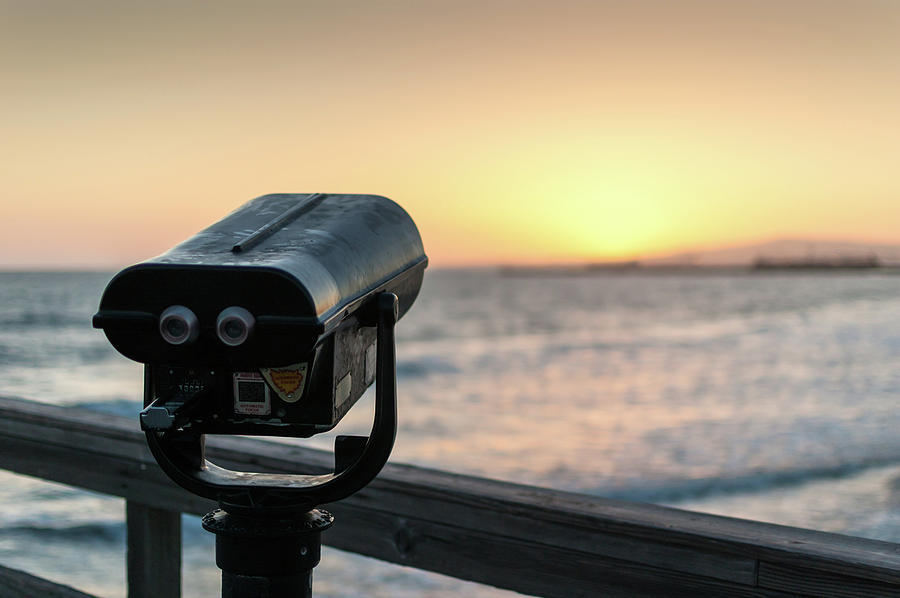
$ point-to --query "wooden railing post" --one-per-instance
(154, 551)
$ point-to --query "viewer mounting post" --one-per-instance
(271, 322)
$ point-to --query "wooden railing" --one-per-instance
(532, 540)
(16, 584)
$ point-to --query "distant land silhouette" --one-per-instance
(786, 252)
(780, 254)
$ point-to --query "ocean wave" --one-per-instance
(86, 532)
(32, 319)
(54, 352)
(123, 407)
(423, 366)
(675, 491)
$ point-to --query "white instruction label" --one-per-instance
(251, 394)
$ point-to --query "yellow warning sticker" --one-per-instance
(287, 382)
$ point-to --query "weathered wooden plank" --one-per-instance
(519, 537)
(815, 582)
(18, 584)
(501, 516)
(636, 520)
(709, 545)
(114, 473)
(515, 565)
(153, 551)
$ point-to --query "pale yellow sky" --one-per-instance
(511, 131)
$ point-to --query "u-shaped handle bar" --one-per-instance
(183, 459)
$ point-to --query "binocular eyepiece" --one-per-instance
(178, 325)
(234, 325)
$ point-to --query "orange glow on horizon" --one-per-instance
(528, 132)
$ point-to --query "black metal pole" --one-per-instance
(266, 553)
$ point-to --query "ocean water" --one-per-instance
(769, 396)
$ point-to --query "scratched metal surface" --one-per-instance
(336, 245)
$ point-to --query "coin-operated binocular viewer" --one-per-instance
(271, 322)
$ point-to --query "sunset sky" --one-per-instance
(513, 132)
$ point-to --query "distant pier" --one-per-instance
(812, 263)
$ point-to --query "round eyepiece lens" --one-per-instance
(235, 329)
(234, 325)
(176, 327)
